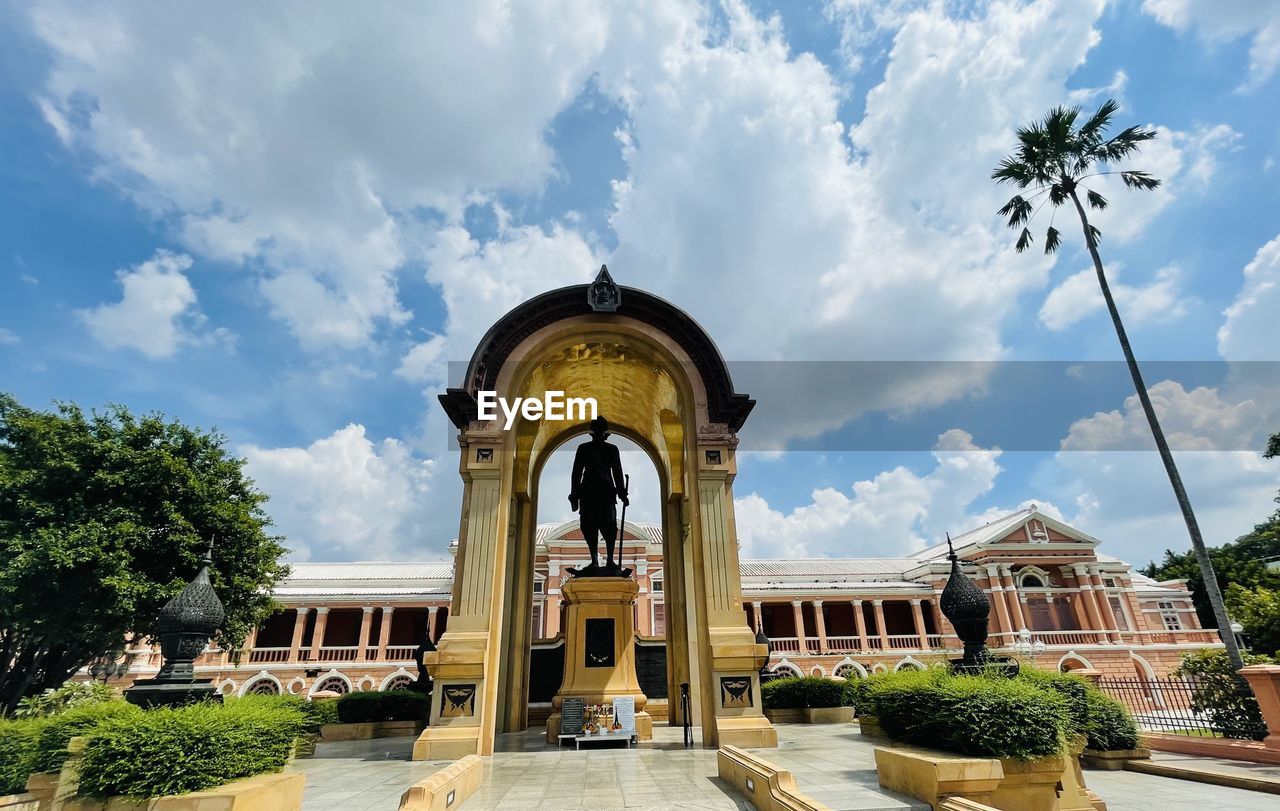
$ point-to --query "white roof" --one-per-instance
(651, 533)
(997, 529)
(370, 570)
(838, 568)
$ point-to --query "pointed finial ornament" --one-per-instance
(603, 294)
(951, 550)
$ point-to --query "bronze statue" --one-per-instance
(598, 484)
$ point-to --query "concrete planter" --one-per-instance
(42, 786)
(265, 792)
(1029, 785)
(828, 715)
(21, 802)
(370, 730)
(789, 716)
(1111, 760)
(869, 725)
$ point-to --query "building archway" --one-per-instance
(659, 380)
(1072, 661)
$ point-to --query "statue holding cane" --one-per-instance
(598, 484)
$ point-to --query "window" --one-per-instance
(537, 621)
(1122, 619)
(659, 620)
(655, 584)
(1032, 581)
(539, 586)
(1169, 613)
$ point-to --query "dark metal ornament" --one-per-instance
(184, 627)
(969, 611)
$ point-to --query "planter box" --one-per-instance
(790, 716)
(828, 715)
(869, 725)
(1029, 785)
(42, 786)
(20, 802)
(265, 792)
(370, 730)
(1111, 760)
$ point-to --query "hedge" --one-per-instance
(1110, 726)
(314, 713)
(384, 705)
(17, 753)
(986, 716)
(58, 730)
(1219, 693)
(795, 692)
(1073, 689)
(175, 751)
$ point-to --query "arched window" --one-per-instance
(848, 670)
(263, 687)
(334, 684)
(1032, 581)
(399, 683)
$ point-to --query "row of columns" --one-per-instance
(1007, 601)
(860, 622)
(366, 625)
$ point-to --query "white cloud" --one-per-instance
(421, 362)
(345, 497)
(1123, 496)
(303, 145)
(8, 337)
(155, 312)
(1219, 21)
(1251, 330)
(897, 512)
(1078, 297)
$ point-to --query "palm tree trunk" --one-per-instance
(1175, 479)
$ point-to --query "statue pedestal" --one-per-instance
(600, 653)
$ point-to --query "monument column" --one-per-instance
(820, 623)
(317, 636)
(797, 612)
(299, 628)
(1096, 623)
(860, 622)
(1104, 602)
(918, 615)
(878, 606)
(1003, 624)
(362, 654)
(433, 613)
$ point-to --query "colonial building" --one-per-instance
(1055, 599)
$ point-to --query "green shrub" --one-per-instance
(17, 753)
(795, 692)
(58, 730)
(384, 705)
(315, 714)
(1072, 688)
(1110, 726)
(1222, 695)
(72, 694)
(855, 694)
(175, 751)
(988, 716)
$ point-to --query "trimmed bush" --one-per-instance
(986, 716)
(1072, 688)
(798, 692)
(176, 751)
(315, 714)
(383, 705)
(56, 700)
(18, 741)
(58, 731)
(1110, 726)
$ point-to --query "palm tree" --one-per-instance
(1053, 160)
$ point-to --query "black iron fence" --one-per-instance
(1207, 708)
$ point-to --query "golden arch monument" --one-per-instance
(661, 382)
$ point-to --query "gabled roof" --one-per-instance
(650, 533)
(993, 531)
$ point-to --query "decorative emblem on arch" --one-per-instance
(604, 295)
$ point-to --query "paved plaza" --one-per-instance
(833, 764)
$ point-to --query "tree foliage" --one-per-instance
(103, 517)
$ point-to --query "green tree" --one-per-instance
(102, 519)
(1054, 158)
(1258, 610)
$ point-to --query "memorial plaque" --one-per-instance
(599, 647)
(624, 712)
(735, 691)
(571, 716)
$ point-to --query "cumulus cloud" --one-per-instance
(1123, 495)
(1250, 330)
(1218, 21)
(1078, 296)
(8, 337)
(895, 513)
(346, 497)
(157, 312)
(302, 146)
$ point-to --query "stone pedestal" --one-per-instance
(1264, 680)
(600, 653)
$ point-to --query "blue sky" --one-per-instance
(286, 224)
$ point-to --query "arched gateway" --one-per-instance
(661, 382)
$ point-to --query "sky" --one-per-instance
(287, 222)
